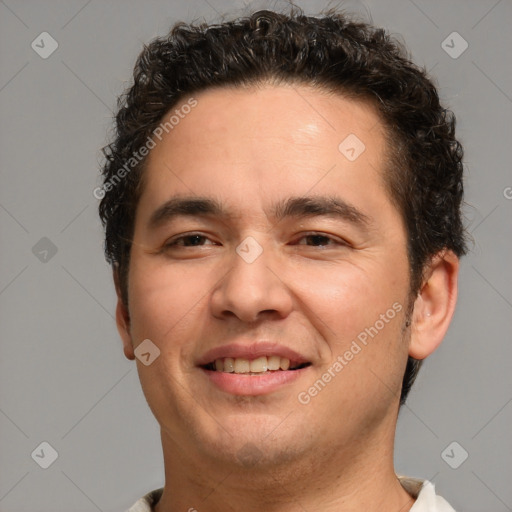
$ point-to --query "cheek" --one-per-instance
(165, 299)
(359, 315)
(345, 299)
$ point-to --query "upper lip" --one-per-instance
(251, 351)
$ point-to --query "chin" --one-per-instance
(253, 441)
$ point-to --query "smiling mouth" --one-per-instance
(259, 366)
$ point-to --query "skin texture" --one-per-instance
(314, 295)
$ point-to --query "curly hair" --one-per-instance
(333, 52)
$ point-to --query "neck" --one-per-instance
(359, 476)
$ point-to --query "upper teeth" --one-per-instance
(259, 365)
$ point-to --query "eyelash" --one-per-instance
(322, 235)
(174, 243)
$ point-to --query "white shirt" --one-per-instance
(426, 498)
(424, 491)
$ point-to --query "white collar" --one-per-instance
(426, 498)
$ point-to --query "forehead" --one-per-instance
(276, 139)
(297, 114)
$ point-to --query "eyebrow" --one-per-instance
(293, 207)
(186, 206)
(315, 206)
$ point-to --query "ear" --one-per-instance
(434, 305)
(122, 317)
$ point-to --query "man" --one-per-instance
(282, 213)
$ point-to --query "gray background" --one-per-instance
(63, 377)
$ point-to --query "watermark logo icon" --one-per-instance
(351, 147)
(249, 250)
(454, 455)
(44, 45)
(454, 45)
(44, 455)
(249, 454)
(44, 250)
(146, 352)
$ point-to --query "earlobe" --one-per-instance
(434, 305)
(123, 318)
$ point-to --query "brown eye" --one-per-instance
(191, 240)
(317, 240)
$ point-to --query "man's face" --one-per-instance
(297, 253)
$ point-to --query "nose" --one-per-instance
(252, 290)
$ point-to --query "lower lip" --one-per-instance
(253, 385)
